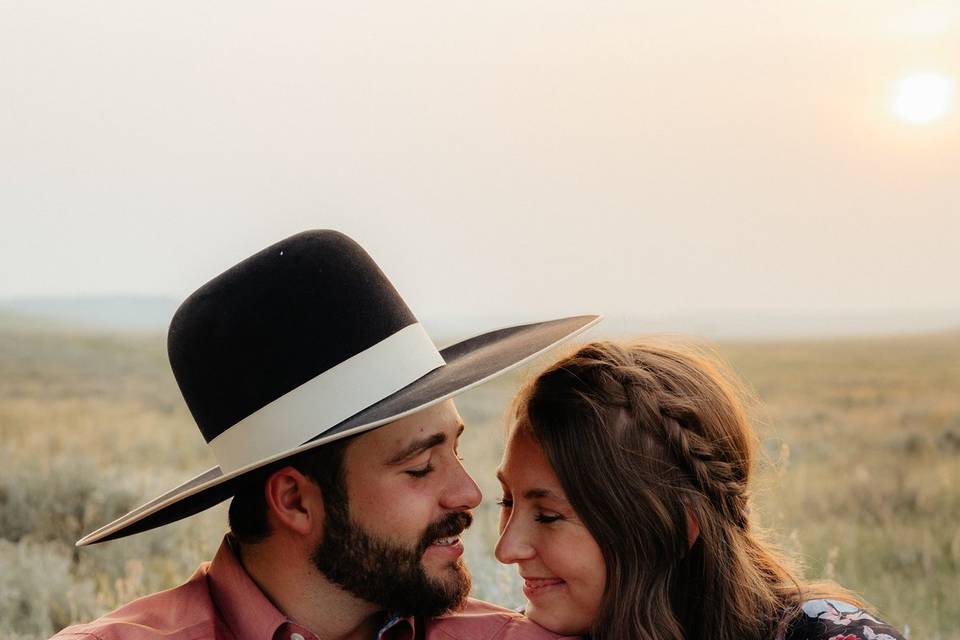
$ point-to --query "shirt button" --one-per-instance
(296, 636)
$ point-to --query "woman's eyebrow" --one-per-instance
(533, 494)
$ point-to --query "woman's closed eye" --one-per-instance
(547, 518)
(543, 517)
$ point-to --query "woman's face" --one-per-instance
(561, 565)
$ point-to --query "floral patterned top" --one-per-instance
(837, 620)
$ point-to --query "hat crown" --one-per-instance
(277, 320)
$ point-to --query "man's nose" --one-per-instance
(462, 491)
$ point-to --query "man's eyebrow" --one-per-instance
(418, 446)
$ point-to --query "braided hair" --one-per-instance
(646, 439)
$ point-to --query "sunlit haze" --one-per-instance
(923, 97)
(729, 162)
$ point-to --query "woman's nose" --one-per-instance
(513, 545)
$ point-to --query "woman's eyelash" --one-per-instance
(545, 519)
(507, 503)
(420, 473)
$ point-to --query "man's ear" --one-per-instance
(294, 501)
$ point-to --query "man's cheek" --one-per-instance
(395, 520)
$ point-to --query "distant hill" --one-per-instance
(142, 313)
(16, 321)
(123, 313)
(726, 325)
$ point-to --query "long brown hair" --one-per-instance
(641, 435)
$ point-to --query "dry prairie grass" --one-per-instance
(862, 440)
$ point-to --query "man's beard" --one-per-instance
(388, 574)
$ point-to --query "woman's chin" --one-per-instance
(557, 619)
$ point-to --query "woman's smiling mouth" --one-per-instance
(533, 587)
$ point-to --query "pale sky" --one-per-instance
(501, 158)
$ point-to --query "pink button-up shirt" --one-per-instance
(221, 602)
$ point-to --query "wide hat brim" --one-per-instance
(468, 364)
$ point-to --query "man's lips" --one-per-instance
(450, 547)
(446, 531)
(452, 539)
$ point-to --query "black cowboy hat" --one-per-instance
(301, 344)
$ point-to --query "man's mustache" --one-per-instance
(452, 524)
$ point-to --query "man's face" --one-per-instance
(395, 542)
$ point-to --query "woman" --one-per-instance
(626, 481)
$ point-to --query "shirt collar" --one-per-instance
(398, 628)
(249, 613)
(244, 608)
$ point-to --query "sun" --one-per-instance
(923, 97)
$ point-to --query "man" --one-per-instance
(328, 408)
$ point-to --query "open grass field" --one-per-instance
(861, 478)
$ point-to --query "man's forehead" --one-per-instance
(440, 418)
